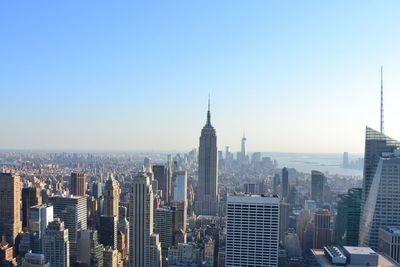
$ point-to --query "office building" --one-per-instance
(317, 187)
(283, 220)
(179, 186)
(110, 257)
(345, 163)
(31, 196)
(34, 260)
(382, 207)
(140, 221)
(275, 184)
(10, 210)
(90, 250)
(56, 244)
(40, 217)
(322, 234)
(389, 242)
(208, 194)
(252, 230)
(123, 227)
(285, 183)
(250, 188)
(347, 226)
(163, 175)
(185, 255)
(108, 231)
(376, 143)
(165, 226)
(72, 210)
(111, 197)
(155, 251)
(78, 184)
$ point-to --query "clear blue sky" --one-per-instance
(298, 76)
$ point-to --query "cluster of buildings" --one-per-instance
(200, 209)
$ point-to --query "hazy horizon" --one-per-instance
(296, 77)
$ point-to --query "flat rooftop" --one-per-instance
(320, 257)
(360, 250)
(392, 229)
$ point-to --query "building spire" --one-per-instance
(208, 112)
(382, 128)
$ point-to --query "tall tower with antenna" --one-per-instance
(382, 128)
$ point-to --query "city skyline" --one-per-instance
(90, 79)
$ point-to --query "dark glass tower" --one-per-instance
(208, 195)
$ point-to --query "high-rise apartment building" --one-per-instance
(10, 210)
(322, 234)
(31, 196)
(382, 206)
(78, 184)
(56, 244)
(208, 194)
(317, 187)
(252, 231)
(72, 210)
(141, 221)
(111, 197)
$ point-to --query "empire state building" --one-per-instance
(208, 195)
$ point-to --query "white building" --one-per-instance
(179, 186)
(252, 231)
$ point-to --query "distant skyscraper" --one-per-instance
(163, 175)
(73, 212)
(243, 146)
(56, 244)
(208, 195)
(283, 220)
(252, 241)
(78, 184)
(345, 163)
(31, 196)
(111, 197)
(382, 206)
(10, 211)
(275, 184)
(317, 187)
(250, 188)
(322, 235)
(141, 221)
(347, 226)
(285, 183)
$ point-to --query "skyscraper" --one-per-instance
(111, 197)
(31, 196)
(252, 231)
(317, 187)
(285, 183)
(347, 226)
(376, 143)
(56, 244)
(90, 250)
(208, 195)
(179, 186)
(140, 221)
(163, 175)
(72, 211)
(10, 215)
(165, 226)
(322, 234)
(78, 184)
(243, 147)
(108, 231)
(40, 217)
(382, 206)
